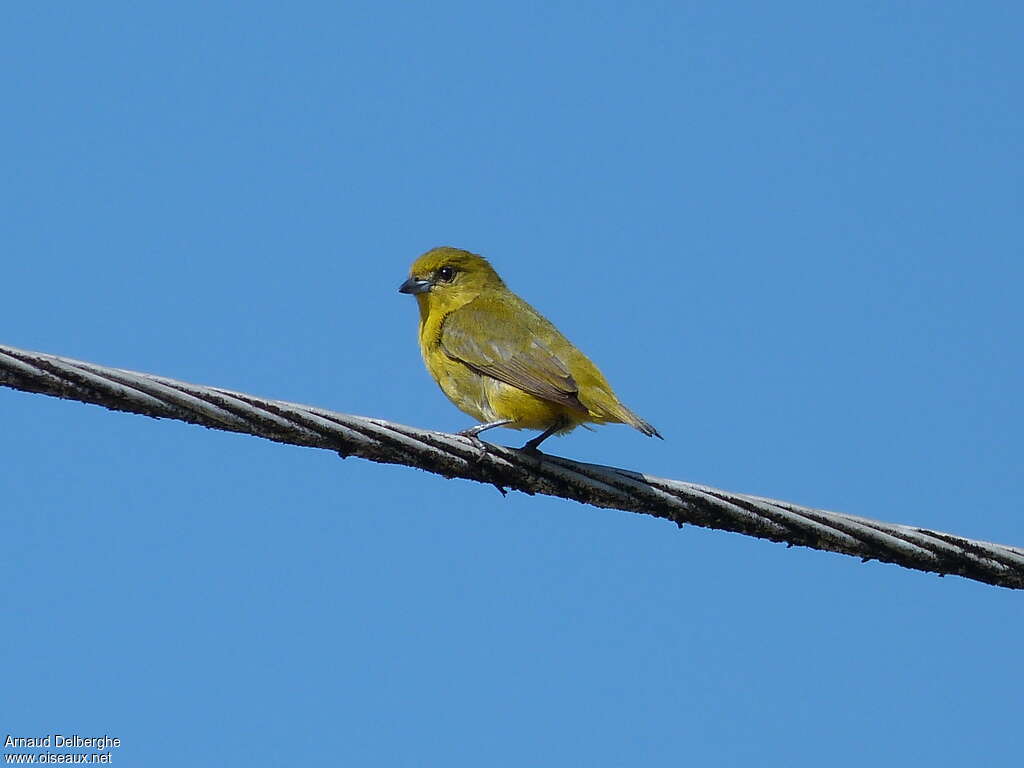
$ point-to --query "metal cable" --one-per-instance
(508, 468)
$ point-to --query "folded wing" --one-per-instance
(484, 336)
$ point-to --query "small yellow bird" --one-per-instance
(498, 359)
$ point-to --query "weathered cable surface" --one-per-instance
(456, 456)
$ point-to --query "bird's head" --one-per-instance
(444, 279)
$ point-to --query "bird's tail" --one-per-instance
(637, 423)
(604, 406)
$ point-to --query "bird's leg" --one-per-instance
(531, 445)
(474, 431)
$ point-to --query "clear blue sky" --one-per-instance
(789, 233)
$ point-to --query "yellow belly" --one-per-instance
(487, 399)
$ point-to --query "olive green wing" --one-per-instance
(505, 338)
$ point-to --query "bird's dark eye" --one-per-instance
(446, 274)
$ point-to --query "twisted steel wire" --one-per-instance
(507, 468)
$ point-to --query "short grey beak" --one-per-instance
(414, 285)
